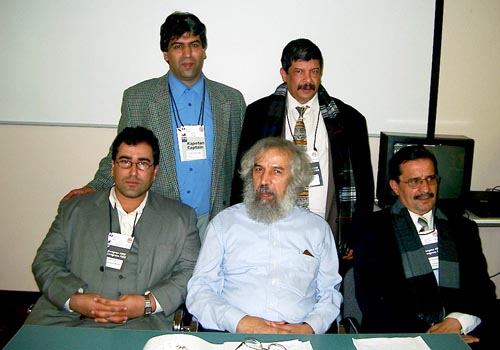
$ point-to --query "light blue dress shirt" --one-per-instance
(194, 177)
(251, 268)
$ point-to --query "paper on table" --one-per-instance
(179, 341)
(183, 341)
(396, 343)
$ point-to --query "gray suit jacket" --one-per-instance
(73, 253)
(147, 104)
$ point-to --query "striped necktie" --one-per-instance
(300, 139)
(423, 222)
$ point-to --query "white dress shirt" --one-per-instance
(317, 139)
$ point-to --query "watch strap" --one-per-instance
(147, 305)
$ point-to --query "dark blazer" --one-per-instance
(73, 253)
(348, 137)
(147, 104)
(386, 297)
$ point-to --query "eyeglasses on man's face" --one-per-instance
(252, 343)
(416, 182)
(127, 164)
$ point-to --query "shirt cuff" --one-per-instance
(158, 306)
(468, 322)
(231, 319)
(66, 304)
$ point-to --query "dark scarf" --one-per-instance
(343, 174)
(416, 266)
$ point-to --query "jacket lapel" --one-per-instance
(148, 230)
(221, 116)
(161, 125)
(97, 222)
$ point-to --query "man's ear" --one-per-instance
(284, 75)
(394, 186)
(157, 167)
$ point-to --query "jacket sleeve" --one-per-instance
(102, 177)
(171, 290)
(49, 267)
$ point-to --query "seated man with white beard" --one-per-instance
(267, 265)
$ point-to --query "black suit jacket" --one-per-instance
(386, 297)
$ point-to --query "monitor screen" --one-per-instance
(454, 156)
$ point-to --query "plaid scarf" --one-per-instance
(416, 266)
(341, 162)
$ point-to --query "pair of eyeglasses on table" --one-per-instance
(252, 343)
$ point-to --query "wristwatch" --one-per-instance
(147, 306)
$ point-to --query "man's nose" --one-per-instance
(186, 51)
(265, 178)
(307, 76)
(134, 169)
(424, 185)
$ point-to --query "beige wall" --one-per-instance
(42, 163)
(39, 166)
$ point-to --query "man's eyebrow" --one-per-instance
(278, 167)
(175, 42)
(140, 158)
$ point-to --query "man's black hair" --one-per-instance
(134, 135)
(409, 153)
(300, 49)
(179, 23)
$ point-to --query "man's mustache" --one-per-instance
(264, 189)
(307, 86)
(427, 195)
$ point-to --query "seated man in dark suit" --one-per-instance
(118, 257)
(417, 270)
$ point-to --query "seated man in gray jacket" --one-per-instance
(118, 257)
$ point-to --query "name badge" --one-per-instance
(316, 169)
(191, 141)
(118, 248)
(430, 243)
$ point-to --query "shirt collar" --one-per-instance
(177, 87)
(428, 216)
(115, 203)
(292, 103)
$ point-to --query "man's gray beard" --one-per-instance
(264, 210)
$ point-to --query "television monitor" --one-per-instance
(454, 154)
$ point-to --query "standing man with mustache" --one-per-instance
(417, 270)
(197, 120)
(268, 265)
(336, 141)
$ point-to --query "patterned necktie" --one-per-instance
(299, 133)
(300, 139)
(423, 222)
